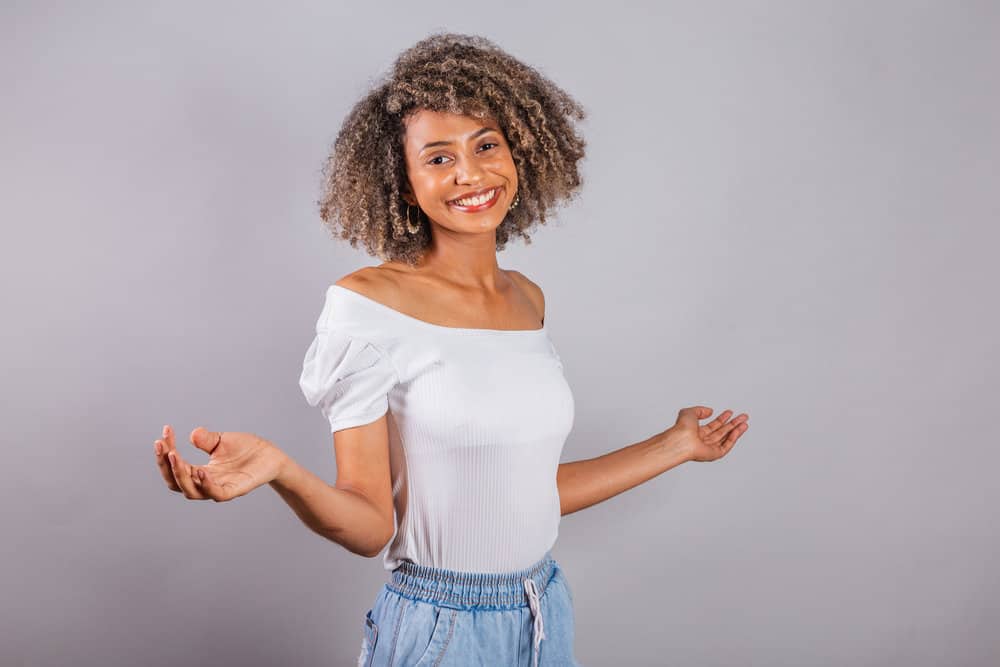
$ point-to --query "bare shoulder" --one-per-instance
(379, 283)
(533, 291)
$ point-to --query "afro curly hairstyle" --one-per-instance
(365, 174)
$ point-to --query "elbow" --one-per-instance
(367, 546)
(380, 544)
(372, 553)
(366, 551)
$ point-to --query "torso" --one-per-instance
(517, 305)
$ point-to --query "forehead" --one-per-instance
(425, 126)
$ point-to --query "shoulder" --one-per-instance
(375, 282)
(533, 291)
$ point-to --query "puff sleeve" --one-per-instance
(347, 377)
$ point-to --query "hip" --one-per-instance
(432, 617)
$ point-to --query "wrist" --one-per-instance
(674, 446)
(283, 466)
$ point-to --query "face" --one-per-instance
(460, 168)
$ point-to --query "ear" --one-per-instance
(407, 195)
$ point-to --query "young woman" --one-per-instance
(446, 397)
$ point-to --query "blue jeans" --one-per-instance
(431, 617)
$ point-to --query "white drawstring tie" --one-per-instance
(536, 612)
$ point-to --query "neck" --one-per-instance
(468, 261)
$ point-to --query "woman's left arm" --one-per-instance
(588, 482)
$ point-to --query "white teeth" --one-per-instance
(476, 201)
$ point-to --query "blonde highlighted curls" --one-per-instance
(365, 175)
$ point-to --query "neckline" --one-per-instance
(439, 327)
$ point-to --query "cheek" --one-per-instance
(431, 188)
(506, 166)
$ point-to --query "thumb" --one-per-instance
(690, 416)
(205, 440)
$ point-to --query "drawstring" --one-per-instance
(536, 612)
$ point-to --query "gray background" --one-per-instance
(790, 209)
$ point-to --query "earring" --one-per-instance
(517, 200)
(410, 227)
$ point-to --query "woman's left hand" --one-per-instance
(711, 441)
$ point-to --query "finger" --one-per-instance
(734, 435)
(717, 423)
(168, 437)
(182, 473)
(211, 488)
(205, 440)
(727, 428)
(164, 465)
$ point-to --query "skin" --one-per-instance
(459, 275)
(458, 283)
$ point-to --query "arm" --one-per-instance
(585, 483)
(588, 482)
(357, 513)
(342, 515)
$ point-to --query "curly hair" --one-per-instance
(365, 174)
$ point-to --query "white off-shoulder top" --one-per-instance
(477, 419)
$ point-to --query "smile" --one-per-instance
(478, 203)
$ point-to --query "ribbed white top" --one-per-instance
(477, 423)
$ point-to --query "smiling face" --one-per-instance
(460, 169)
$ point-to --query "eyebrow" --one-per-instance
(475, 134)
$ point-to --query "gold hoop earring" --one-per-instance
(410, 227)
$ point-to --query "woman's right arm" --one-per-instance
(356, 513)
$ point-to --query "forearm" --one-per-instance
(338, 514)
(588, 482)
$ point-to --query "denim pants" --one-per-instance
(431, 617)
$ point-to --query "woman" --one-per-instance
(445, 396)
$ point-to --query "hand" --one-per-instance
(711, 441)
(238, 464)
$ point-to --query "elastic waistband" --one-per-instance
(465, 590)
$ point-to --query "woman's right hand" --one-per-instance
(238, 464)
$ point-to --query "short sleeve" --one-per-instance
(347, 377)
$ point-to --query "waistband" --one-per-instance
(466, 590)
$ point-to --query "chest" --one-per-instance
(488, 391)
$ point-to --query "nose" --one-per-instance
(467, 172)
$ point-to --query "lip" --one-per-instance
(481, 207)
(473, 193)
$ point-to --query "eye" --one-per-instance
(433, 160)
